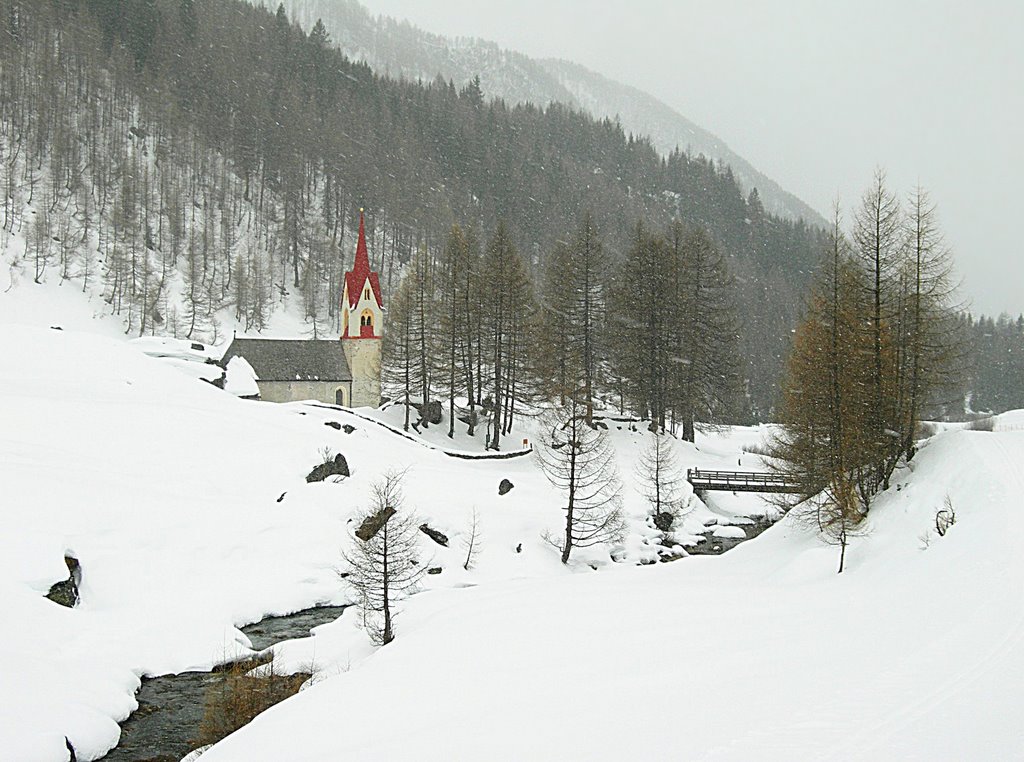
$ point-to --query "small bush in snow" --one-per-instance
(331, 465)
(945, 517)
(239, 693)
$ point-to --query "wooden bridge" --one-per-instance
(737, 481)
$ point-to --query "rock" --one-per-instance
(434, 570)
(664, 520)
(431, 412)
(433, 534)
(336, 467)
(65, 593)
(348, 428)
(333, 424)
(505, 487)
(373, 524)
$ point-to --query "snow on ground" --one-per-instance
(189, 512)
(915, 652)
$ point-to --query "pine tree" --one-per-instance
(661, 480)
(382, 563)
(454, 318)
(705, 380)
(931, 344)
(827, 449)
(879, 240)
(398, 350)
(579, 461)
(507, 306)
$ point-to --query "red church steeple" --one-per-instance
(360, 272)
(361, 299)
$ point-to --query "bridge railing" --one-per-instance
(735, 480)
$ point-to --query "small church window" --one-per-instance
(366, 324)
(366, 294)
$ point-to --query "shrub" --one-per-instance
(239, 692)
(945, 517)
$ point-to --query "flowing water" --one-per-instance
(166, 724)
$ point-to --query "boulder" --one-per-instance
(65, 593)
(431, 412)
(348, 428)
(664, 521)
(336, 467)
(333, 424)
(373, 524)
(505, 486)
(433, 534)
(434, 570)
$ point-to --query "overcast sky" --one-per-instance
(816, 95)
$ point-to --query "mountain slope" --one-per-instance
(199, 190)
(668, 129)
(400, 49)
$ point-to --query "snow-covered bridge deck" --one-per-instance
(736, 481)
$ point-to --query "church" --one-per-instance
(339, 372)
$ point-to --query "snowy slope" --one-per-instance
(913, 653)
(190, 515)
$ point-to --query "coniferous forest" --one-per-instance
(191, 155)
(186, 157)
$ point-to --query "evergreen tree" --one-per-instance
(507, 305)
(579, 461)
(382, 563)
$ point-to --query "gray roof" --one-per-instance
(292, 359)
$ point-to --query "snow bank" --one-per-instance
(189, 512)
(913, 653)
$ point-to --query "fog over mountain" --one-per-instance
(816, 95)
(400, 49)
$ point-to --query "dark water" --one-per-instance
(715, 546)
(164, 727)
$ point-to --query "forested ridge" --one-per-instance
(400, 49)
(193, 155)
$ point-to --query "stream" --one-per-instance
(166, 724)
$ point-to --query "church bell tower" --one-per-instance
(362, 323)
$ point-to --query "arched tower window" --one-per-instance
(366, 324)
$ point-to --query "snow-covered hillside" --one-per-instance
(189, 513)
(913, 653)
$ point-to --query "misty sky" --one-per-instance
(816, 95)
